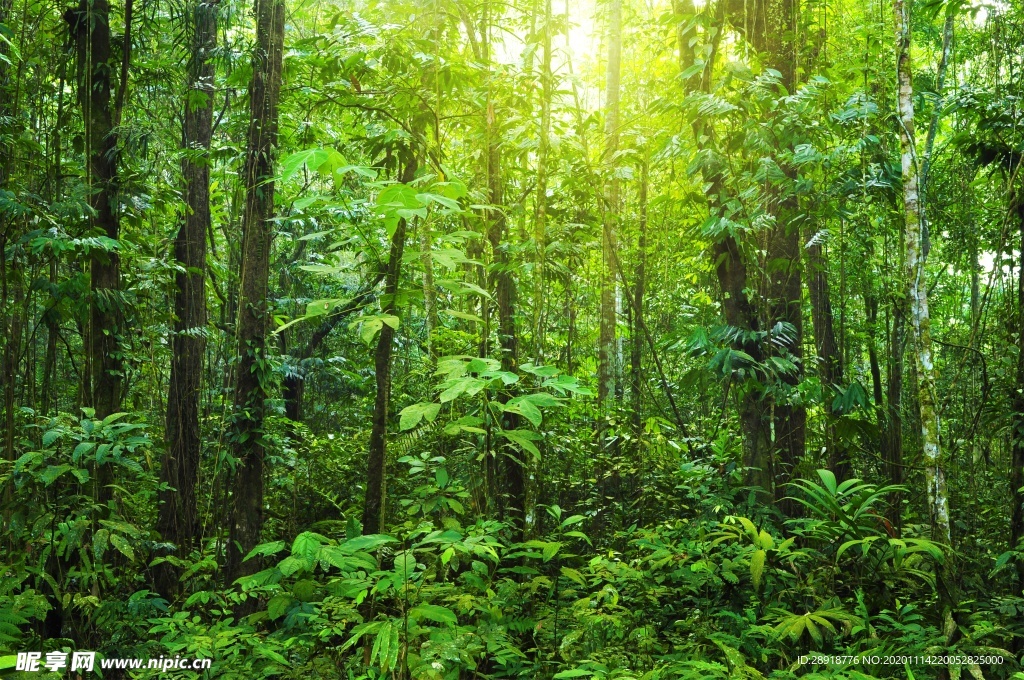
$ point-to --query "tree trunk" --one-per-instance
(541, 217)
(607, 372)
(178, 520)
(1017, 449)
(429, 292)
(294, 384)
(934, 470)
(376, 460)
(504, 289)
(637, 308)
(894, 409)
(252, 373)
(829, 362)
(89, 24)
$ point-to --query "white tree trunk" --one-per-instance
(935, 476)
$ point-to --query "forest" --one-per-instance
(482, 339)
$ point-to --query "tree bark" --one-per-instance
(90, 26)
(178, 518)
(933, 462)
(376, 460)
(252, 372)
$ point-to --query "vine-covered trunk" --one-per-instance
(178, 517)
(252, 372)
(917, 286)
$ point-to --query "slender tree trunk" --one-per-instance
(639, 285)
(830, 365)
(1017, 448)
(178, 520)
(429, 292)
(606, 368)
(504, 289)
(376, 460)
(294, 384)
(933, 462)
(541, 217)
(894, 408)
(252, 373)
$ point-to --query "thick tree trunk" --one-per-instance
(607, 371)
(252, 374)
(376, 460)
(786, 306)
(178, 518)
(89, 24)
(932, 460)
(90, 27)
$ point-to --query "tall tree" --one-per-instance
(178, 520)
(607, 370)
(1017, 447)
(89, 24)
(917, 287)
(252, 372)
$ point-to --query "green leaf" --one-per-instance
(312, 158)
(52, 472)
(525, 408)
(266, 549)
(411, 416)
(292, 564)
(574, 673)
(523, 439)
(306, 545)
(122, 546)
(462, 315)
(279, 605)
(434, 613)
(405, 566)
(366, 543)
(757, 567)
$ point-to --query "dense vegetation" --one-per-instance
(445, 339)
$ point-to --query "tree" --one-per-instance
(178, 520)
(252, 372)
(607, 365)
(917, 292)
